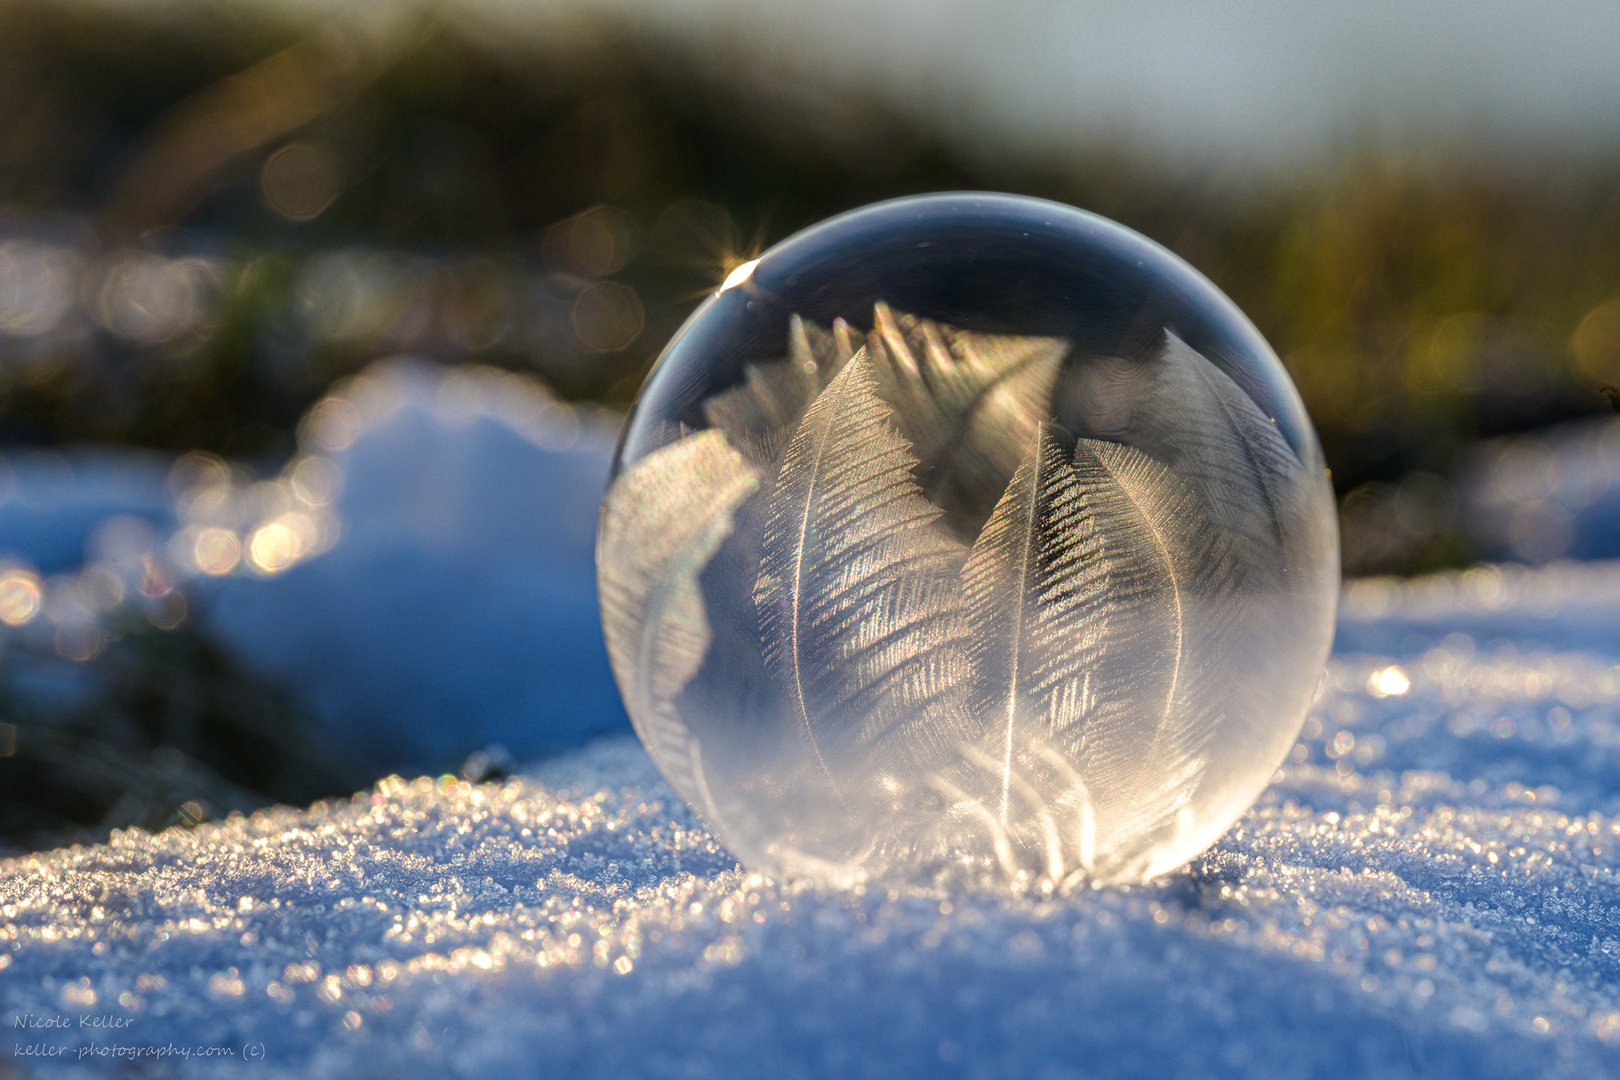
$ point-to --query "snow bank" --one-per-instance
(451, 607)
(1431, 887)
(458, 609)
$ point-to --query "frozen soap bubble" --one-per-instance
(968, 535)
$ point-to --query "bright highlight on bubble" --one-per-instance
(968, 536)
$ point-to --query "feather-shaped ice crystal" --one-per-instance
(889, 596)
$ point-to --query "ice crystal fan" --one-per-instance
(968, 534)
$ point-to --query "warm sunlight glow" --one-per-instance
(739, 275)
(19, 597)
(274, 547)
(1389, 682)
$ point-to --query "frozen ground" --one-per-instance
(1430, 888)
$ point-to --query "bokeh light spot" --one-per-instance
(1596, 342)
(37, 284)
(608, 316)
(198, 469)
(301, 180)
(169, 611)
(156, 578)
(146, 298)
(316, 480)
(216, 551)
(274, 547)
(1389, 682)
(333, 424)
(19, 596)
(80, 642)
(366, 296)
(593, 244)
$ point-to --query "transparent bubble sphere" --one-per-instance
(968, 535)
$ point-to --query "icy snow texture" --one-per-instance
(1429, 888)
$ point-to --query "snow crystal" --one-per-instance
(1430, 887)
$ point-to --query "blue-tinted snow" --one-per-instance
(1545, 495)
(1431, 887)
(51, 504)
(458, 609)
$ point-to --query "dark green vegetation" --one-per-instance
(160, 729)
(1418, 302)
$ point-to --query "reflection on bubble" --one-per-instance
(740, 274)
(37, 283)
(20, 592)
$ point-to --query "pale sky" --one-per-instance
(1242, 84)
(1256, 81)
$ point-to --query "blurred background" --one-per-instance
(317, 320)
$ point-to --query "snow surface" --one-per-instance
(1431, 887)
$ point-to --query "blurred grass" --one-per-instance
(161, 729)
(1419, 302)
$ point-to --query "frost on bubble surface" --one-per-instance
(961, 636)
(1430, 887)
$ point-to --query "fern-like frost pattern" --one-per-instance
(858, 588)
(661, 524)
(985, 639)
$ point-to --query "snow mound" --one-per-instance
(1430, 887)
(459, 607)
